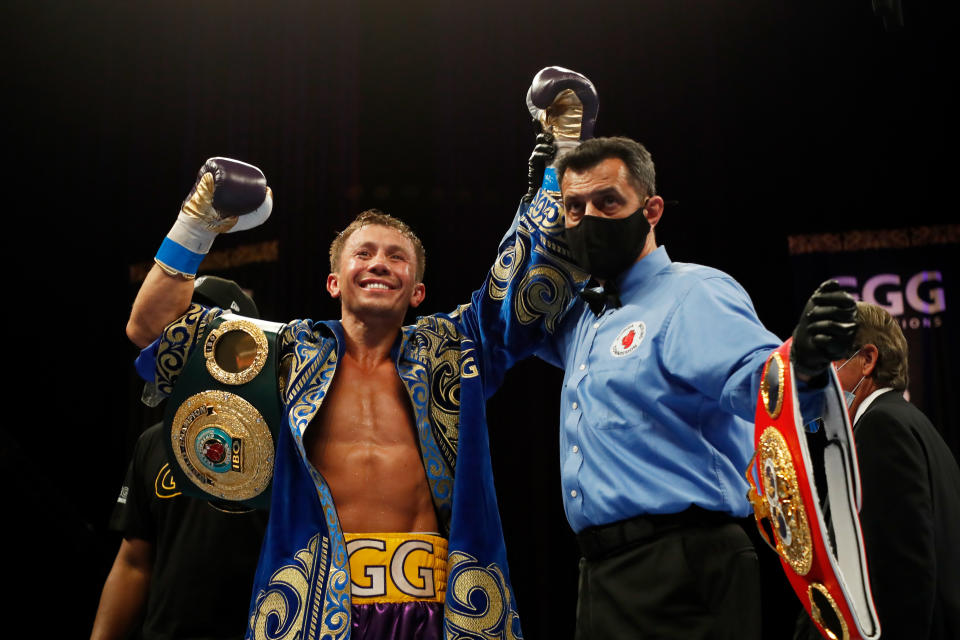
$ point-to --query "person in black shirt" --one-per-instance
(185, 567)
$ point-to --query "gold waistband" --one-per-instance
(397, 567)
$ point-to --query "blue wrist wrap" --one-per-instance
(178, 257)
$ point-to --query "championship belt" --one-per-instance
(223, 439)
(817, 538)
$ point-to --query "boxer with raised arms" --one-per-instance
(371, 533)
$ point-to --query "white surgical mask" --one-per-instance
(850, 396)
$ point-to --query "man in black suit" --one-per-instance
(910, 514)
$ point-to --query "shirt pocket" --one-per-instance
(612, 399)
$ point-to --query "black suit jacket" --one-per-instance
(910, 519)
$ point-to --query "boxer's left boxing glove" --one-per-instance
(228, 196)
(565, 104)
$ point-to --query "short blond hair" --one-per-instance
(877, 327)
(377, 217)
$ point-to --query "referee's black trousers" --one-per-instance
(689, 575)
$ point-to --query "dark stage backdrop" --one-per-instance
(766, 119)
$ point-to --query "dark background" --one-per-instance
(766, 118)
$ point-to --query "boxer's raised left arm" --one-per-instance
(534, 279)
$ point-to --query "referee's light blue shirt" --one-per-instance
(659, 395)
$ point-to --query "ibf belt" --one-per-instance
(396, 567)
(817, 536)
(224, 412)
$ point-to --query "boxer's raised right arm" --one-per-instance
(228, 196)
(161, 300)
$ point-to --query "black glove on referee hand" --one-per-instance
(826, 330)
(543, 152)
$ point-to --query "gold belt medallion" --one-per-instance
(223, 445)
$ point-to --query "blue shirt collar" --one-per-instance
(642, 271)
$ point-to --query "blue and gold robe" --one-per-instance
(450, 364)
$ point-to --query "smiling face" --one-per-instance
(377, 275)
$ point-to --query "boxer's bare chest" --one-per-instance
(363, 441)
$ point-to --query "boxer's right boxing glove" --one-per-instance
(228, 196)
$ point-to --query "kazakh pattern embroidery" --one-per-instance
(479, 605)
(544, 221)
(507, 265)
(542, 294)
(429, 368)
(291, 604)
(336, 619)
(311, 371)
(546, 214)
(176, 344)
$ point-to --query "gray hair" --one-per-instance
(877, 327)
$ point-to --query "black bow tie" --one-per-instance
(598, 297)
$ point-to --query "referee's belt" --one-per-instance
(397, 567)
(597, 542)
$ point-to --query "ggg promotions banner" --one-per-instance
(913, 273)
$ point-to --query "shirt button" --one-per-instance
(596, 325)
(574, 405)
(582, 367)
(573, 493)
(576, 448)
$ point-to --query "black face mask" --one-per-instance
(606, 247)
